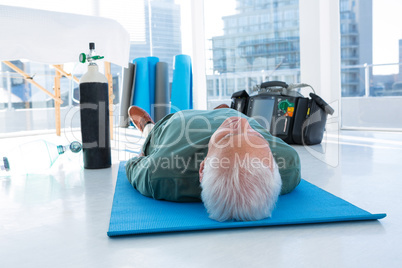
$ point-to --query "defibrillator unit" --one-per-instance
(286, 113)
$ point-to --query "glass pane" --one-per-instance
(250, 42)
(25, 107)
(158, 32)
(155, 28)
(371, 77)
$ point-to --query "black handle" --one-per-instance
(323, 105)
(274, 84)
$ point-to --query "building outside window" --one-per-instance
(272, 51)
(264, 43)
(371, 64)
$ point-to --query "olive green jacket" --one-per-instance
(177, 145)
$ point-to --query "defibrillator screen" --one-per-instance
(261, 109)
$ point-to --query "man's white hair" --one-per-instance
(240, 192)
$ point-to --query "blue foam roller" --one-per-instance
(133, 213)
(182, 85)
(141, 91)
(152, 61)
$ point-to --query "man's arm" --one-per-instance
(137, 170)
(288, 161)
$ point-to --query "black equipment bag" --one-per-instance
(285, 113)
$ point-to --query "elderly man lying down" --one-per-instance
(222, 157)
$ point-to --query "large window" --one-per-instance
(371, 72)
(253, 41)
(155, 28)
(249, 42)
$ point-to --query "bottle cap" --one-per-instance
(60, 149)
(75, 147)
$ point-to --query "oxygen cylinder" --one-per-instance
(94, 113)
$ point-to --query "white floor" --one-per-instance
(61, 219)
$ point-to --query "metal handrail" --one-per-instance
(369, 65)
(366, 68)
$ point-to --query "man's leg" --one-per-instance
(221, 106)
(147, 129)
(141, 119)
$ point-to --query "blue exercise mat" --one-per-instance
(133, 213)
(182, 84)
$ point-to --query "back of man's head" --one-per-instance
(241, 187)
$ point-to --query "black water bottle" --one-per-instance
(94, 112)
